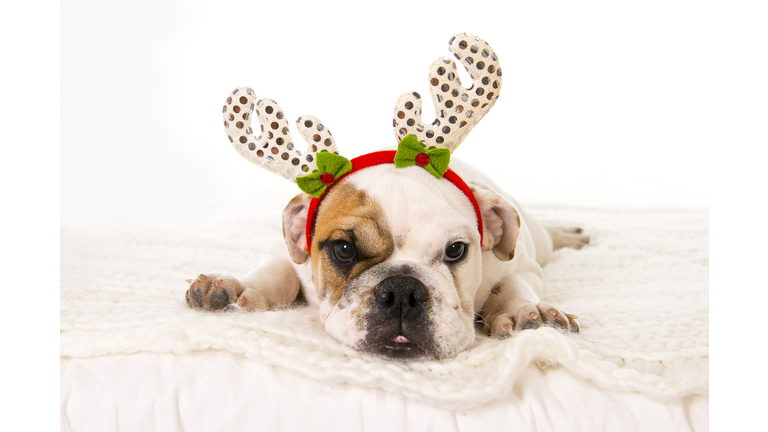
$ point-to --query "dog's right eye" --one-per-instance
(345, 251)
(454, 252)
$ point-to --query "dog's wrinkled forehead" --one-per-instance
(418, 207)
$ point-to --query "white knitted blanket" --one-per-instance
(640, 290)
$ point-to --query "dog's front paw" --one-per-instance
(213, 292)
(251, 300)
(533, 317)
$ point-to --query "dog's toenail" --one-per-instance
(189, 303)
(216, 283)
(534, 315)
(201, 278)
(553, 312)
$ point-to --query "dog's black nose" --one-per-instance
(402, 296)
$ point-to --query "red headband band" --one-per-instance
(379, 158)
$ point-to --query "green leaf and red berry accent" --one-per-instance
(330, 167)
(411, 152)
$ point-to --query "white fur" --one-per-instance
(425, 214)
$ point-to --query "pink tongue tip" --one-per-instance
(401, 339)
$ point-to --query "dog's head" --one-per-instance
(396, 259)
(396, 253)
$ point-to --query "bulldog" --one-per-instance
(401, 260)
(397, 267)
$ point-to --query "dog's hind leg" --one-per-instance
(572, 237)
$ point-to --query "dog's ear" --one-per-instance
(501, 222)
(295, 226)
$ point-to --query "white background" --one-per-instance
(594, 91)
(664, 92)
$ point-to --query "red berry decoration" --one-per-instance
(422, 159)
(326, 178)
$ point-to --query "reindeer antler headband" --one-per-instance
(319, 167)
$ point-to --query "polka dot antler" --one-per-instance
(273, 149)
(458, 108)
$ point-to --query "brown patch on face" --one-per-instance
(347, 214)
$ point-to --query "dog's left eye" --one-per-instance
(454, 251)
(345, 251)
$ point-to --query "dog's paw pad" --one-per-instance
(219, 299)
(212, 292)
(554, 317)
(528, 317)
(198, 287)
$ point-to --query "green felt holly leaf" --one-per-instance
(411, 152)
(330, 167)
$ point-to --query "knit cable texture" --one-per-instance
(640, 290)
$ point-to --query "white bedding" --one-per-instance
(215, 390)
(135, 357)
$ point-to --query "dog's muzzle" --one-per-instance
(398, 321)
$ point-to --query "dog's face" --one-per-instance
(396, 262)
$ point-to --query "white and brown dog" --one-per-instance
(396, 259)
